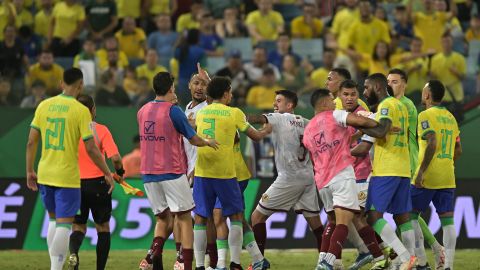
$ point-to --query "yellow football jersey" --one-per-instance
(220, 122)
(243, 173)
(391, 156)
(440, 172)
(62, 121)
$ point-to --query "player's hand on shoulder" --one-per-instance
(32, 181)
(111, 182)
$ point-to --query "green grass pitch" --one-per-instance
(280, 259)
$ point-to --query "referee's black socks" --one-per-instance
(103, 249)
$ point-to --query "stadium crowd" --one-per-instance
(263, 45)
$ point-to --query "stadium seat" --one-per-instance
(312, 49)
(269, 45)
(244, 45)
(214, 64)
(64, 62)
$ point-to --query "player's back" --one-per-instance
(62, 122)
(440, 172)
(291, 156)
(412, 131)
(220, 122)
(391, 153)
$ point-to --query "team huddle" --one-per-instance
(361, 161)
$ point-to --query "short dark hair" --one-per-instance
(400, 72)
(46, 51)
(72, 75)
(289, 95)
(378, 78)
(218, 86)
(437, 89)
(318, 94)
(162, 82)
(343, 72)
(447, 34)
(348, 84)
(87, 101)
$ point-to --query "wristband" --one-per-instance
(120, 172)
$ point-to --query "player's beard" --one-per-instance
(372, 99)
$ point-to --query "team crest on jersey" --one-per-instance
(265, 197)
(425, 124)
(384, 111)
(362, 196)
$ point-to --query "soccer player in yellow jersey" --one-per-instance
(215, 174)
(335, 77)
(243, 176)
(434, 179)
(389, 188)
(59, 123)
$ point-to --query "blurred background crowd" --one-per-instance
(263, 45)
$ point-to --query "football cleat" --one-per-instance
(410, 264)
(261, 265)
(73, 262)
(144, 265)
(361, 260)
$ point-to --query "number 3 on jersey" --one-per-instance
(54, 137)
(209, 132)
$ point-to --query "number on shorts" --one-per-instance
(209, 132)
(305, 152)
(54, 137)
(447, 140)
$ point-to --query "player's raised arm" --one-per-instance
(257, 135)
(32, 145)
(257, 119)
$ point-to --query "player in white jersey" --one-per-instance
(294, 186)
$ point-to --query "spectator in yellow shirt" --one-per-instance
(319, 76)
(415, 64)
(46, 71)
(151, 67)
(264, 24)
(110, 44)
(129, 8)
(473, 33)
(24, 16)
(380, 60)
(132, 39)
(190, 20)
(366, 33)
(430, 24)
(43, 19)
(263, 95)
(67, 23)
(449, 67)
(7, 16)
(342, 21)
(307, 26)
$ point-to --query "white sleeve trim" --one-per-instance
(340, 117)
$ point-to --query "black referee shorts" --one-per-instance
(95, 197)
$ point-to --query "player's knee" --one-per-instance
(79, 228)
(258, 217)
(237, 217)
(103, 227)
(199, 220)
